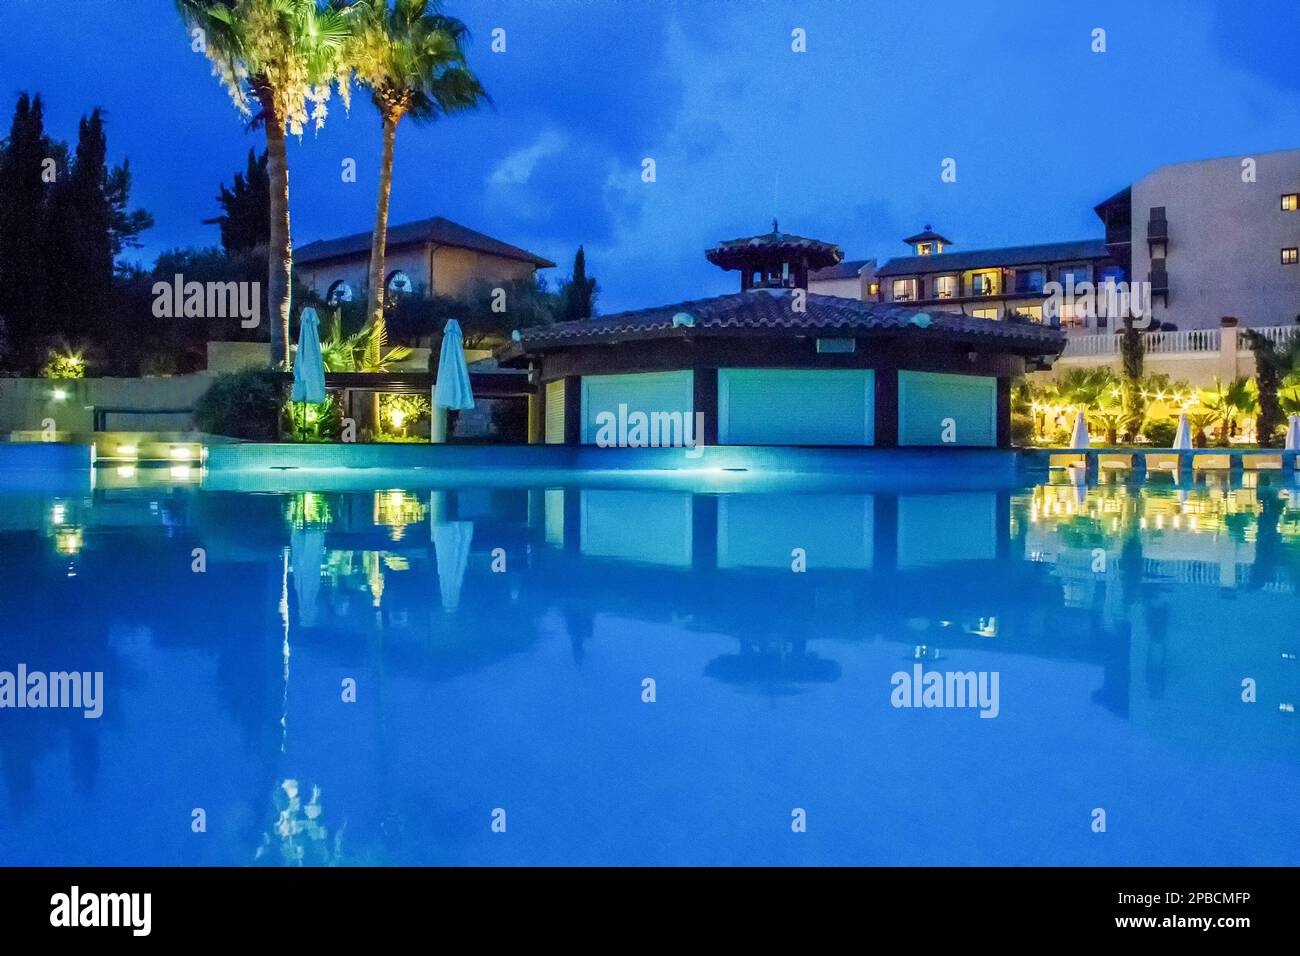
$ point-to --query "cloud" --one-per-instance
(517, 168)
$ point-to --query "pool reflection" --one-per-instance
(485, 629)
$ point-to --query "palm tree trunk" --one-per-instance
(279, 284)
(379, 240)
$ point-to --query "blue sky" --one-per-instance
(843, 142)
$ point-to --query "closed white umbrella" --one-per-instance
(1293, 433)
(308, 365)
(1079, 437)
(307, 551)
(452, 389)
(451, 541)
(1183, 438)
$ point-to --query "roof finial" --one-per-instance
(776, 230)
(927, 227)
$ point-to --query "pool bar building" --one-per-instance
(775, 365)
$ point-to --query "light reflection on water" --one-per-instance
(498, 640)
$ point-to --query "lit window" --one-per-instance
(1291, 202)
(984, 283)
(873, 288)
(340, 291)
(904, 290)
(1029, 313)
(924, 248)
(945, 287)
(1074, 317)
(400, 283)
(1290, 256)
(985, 313)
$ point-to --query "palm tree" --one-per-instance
(1288, 394)
(283, 56)
(1226, 403)
(1197, 423)
(1274, 364)
(1084, 388)
(363, 351)
(410, 58)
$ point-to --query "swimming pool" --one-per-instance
(498, 638)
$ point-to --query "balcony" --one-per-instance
(1159, 278)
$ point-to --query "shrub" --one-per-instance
(402, 413)
(64, 364)
(1160, 432)
(510, 420)
(1022, 429)
(245, 404)
(313, 423)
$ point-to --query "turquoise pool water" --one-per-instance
(500, 640)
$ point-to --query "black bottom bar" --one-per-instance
(977, 905)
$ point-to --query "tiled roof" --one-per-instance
(439, 230)
(989, 258)
(848, 269)
(737, 253)
(768, 312)
(927, 235)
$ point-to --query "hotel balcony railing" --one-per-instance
(1189, 340)
(1158, 277)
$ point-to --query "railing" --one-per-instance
(1189, 340)
(1277, 334)
(1081, 345)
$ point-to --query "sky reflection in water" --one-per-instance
(1122, 621)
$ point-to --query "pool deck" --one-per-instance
(1093, 462)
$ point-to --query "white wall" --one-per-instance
(850, 288)
(1226, 237)
(26, 402)
(355, 270)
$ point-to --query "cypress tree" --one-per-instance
(23, 193)
(86, 239)
(245, 218)
(88, 226)
(579, 292)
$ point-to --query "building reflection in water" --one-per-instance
(1168, 595)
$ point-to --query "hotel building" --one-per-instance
(1214, 238)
